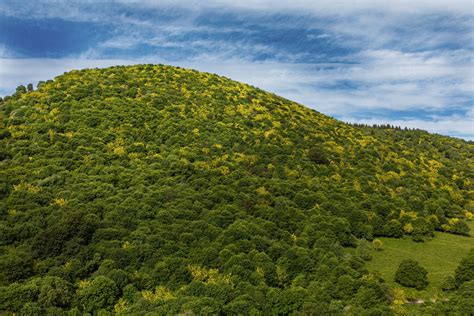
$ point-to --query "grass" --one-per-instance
(439, 256)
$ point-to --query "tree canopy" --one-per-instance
(411, 274)
(159, 189)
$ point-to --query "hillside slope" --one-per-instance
(161, 189)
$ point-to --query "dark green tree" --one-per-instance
(411, 274)
(393, 229)
(54, 291)
(99, 294)
(449, 284)
(318, 155)
(465, 270)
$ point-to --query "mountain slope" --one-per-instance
(156, 188)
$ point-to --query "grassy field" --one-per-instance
(439, 256)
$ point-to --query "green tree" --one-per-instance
(14, 296)
(449, 284)
(461, 302)
(318, 155)
(460, 227)
(393, 229)
(421, 229)
(377, 244)
(411, 274)
(15, 267)
(465, 270)
(54, 291)
(363, 250)
(20, 89)
(31, 309)
(100, 293)
(370, 294)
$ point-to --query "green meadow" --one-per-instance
(439, 256)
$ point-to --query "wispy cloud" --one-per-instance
(4, 51)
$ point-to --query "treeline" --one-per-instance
(383, 126)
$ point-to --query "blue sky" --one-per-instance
(407, 63)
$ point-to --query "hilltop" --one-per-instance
(153, 188)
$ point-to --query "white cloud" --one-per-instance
(5, 51)
(89, 10)
(321, 6)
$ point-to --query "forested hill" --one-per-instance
(159, 189)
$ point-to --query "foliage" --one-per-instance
(97, 294)
(440, 256)
(461, 302)
(161, 190)
(54, 291)
(411, 274)
(465, 271)
(317, 155)
(449, 284)
(377, 244)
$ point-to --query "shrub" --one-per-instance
(448, 284)
(14, 296)
(393, 229)
(411, 274)
(317, 155)
(465, 271)
(100, 293)
(54, 291)
(377, 244)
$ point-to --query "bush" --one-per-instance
(15, 267)
(461, 302)
(317, 155)
(465, 271)
(448, 284)
(411, 274)
(460, 228)
(393, 229)
(370, 295)
(55, 291)
(100, 293)
(31, 309)
(15, 296)
(377, 244)
(416, 237)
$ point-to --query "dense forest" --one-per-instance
(155, 190)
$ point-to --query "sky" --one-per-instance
(401, 62)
